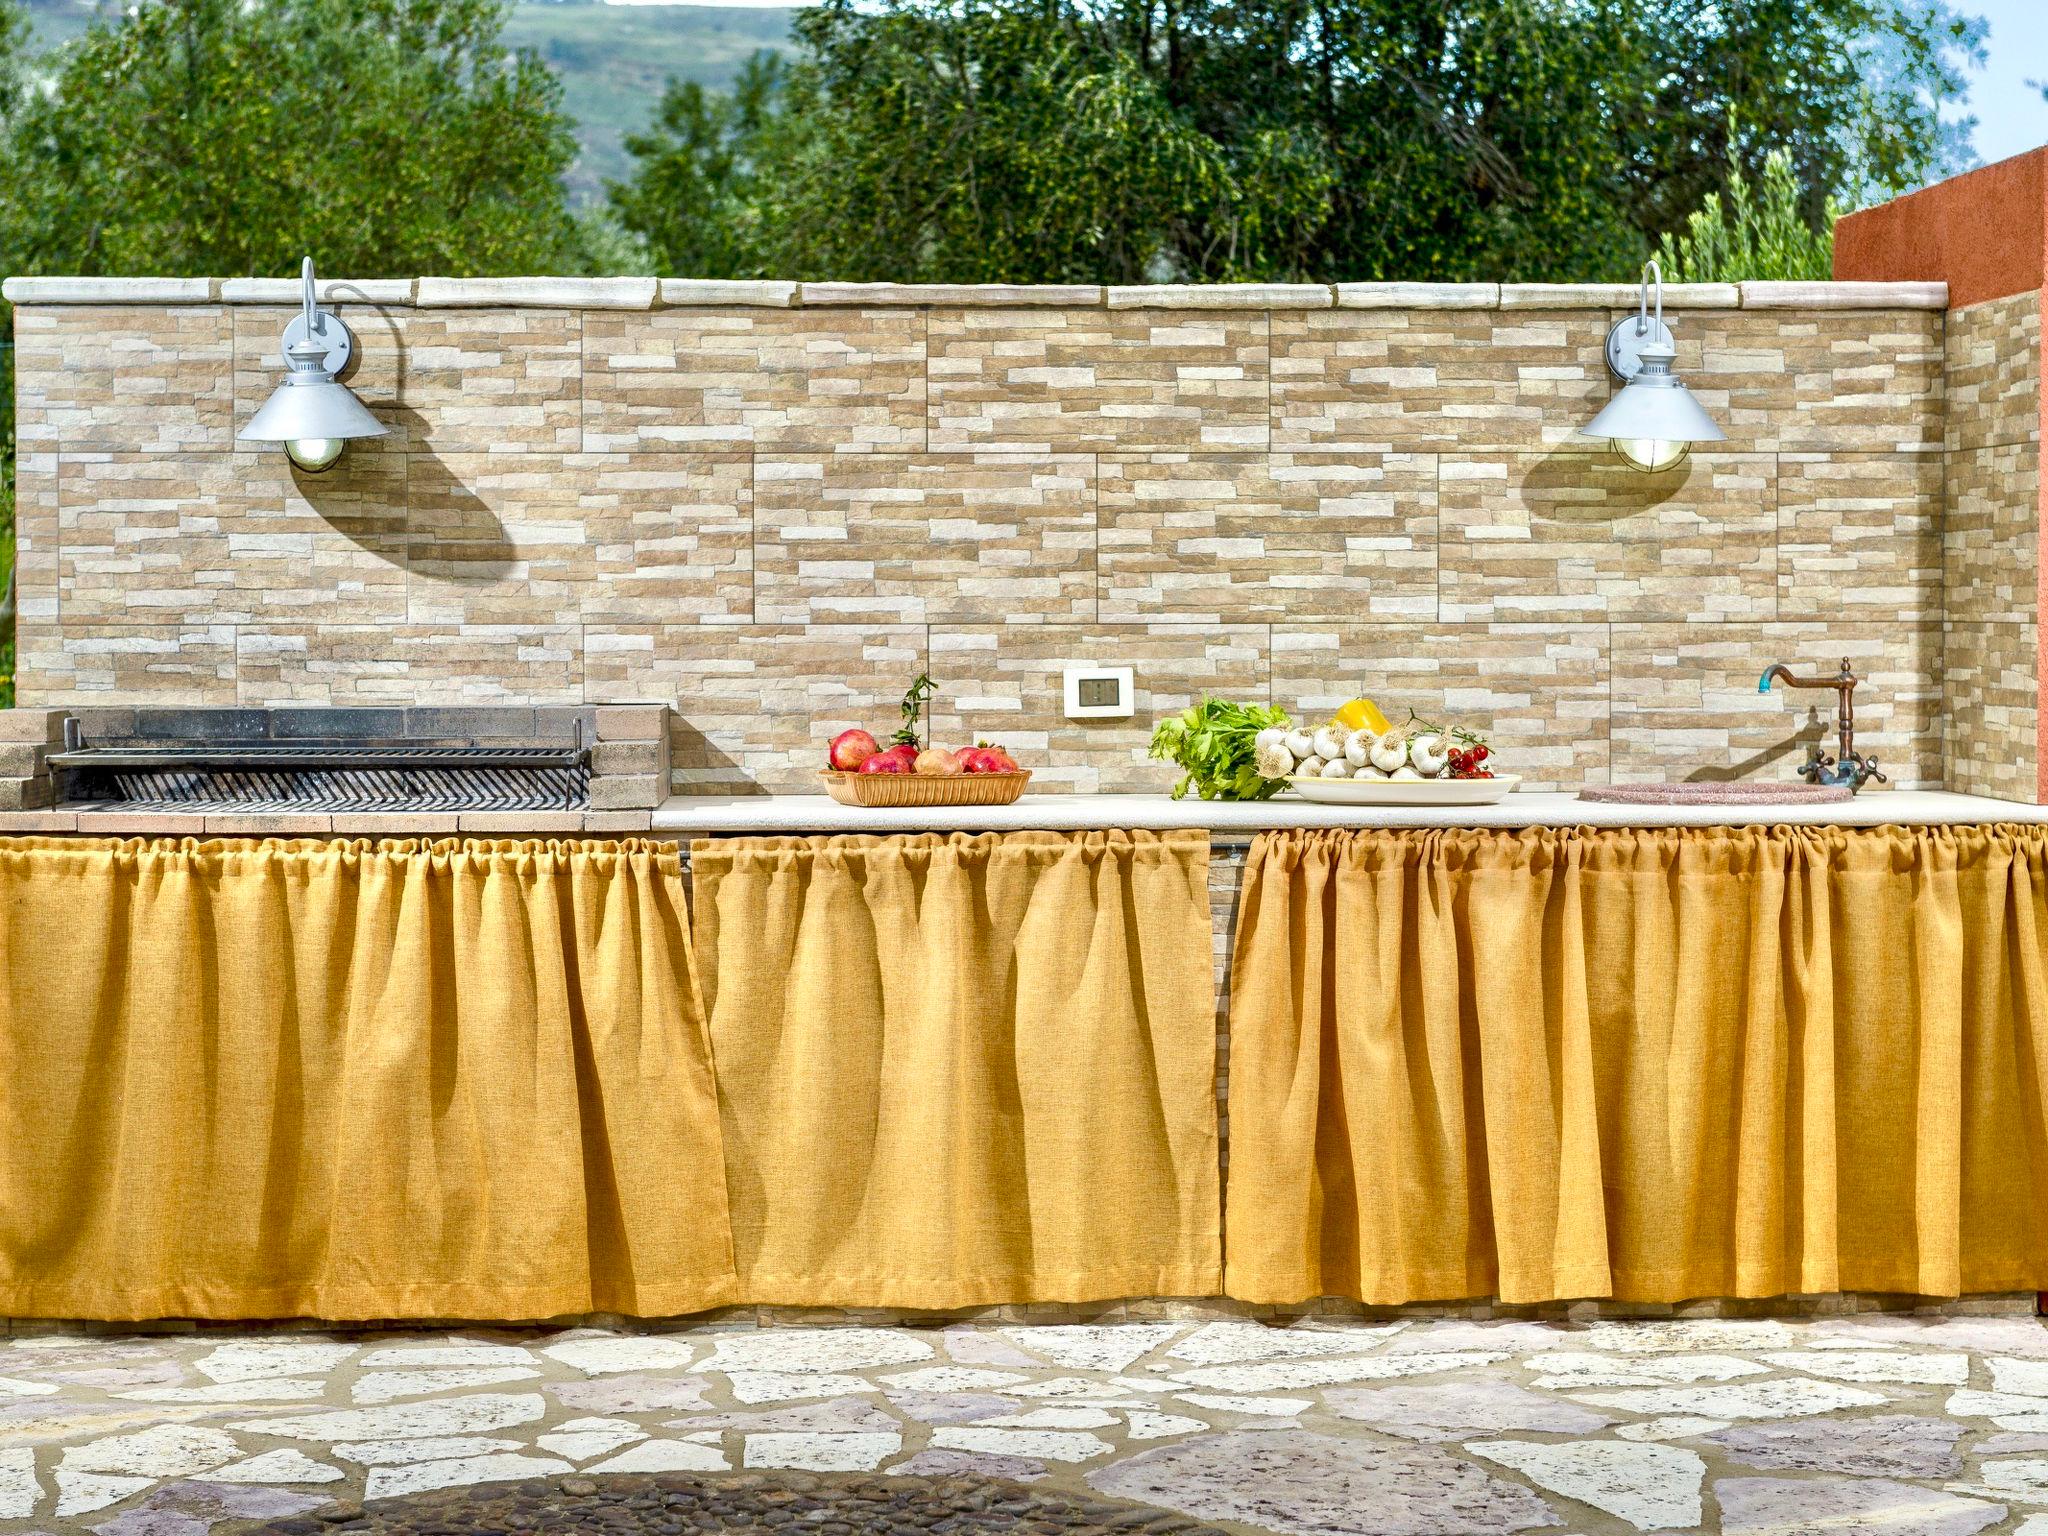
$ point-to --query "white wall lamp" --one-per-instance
(311, 412)
(1654, 421)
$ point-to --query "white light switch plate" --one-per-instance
(1099, 693)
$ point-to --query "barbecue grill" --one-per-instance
(335, 774)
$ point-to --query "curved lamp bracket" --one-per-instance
(324, 328)
(1626, 341)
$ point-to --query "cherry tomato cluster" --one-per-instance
(1467, 762)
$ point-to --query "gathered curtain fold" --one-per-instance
(1647, 1065)
(353, 1080)
(964, 1070)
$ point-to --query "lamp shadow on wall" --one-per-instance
(1590, 484)
(709, 768)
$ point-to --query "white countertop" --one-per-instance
(708, 814)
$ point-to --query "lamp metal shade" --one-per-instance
(309, 407)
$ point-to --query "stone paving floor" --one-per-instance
(1873, 1423)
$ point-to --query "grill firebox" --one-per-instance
(325, 775)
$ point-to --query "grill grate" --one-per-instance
(327, 776)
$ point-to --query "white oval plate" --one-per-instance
(1405, 791)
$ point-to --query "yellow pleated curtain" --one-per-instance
(964, 1070)
(353, 1080)
(1649, 1065)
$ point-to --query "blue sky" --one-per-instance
(2011, 116)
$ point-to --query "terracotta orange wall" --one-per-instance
(1985, 234)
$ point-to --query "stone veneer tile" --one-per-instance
(483, 380)
(1097, 380)
(1225, 538)
(1564, 537)
(886, 538)
(1436, 379)
(558, 539)
(1992, 676)
(1817, 382)
(374, 375)
(1859, 534)
(1538, 692)
(1994, 373)
(755, 706)
(123, 379)
(998, 684)
(1685, 700)
(411, 664)
(1992, 534)
(35, 538)
(837, 381)
(220, 538)
(102, 663)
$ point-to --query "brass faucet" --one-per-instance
(1849, 767)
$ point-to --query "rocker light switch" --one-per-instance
(1099, 693)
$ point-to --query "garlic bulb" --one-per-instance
(1309, 767)
(1300, 743)
(1271, 736)
(1389, 752)
(1370, 772)
(1429, 754)
(1329, 743)
(1358, 747)
(1336, 769)
(1272, 760)
(1404, 773)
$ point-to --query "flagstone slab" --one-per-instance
(2029, 1378)
(1927, 1370)
(252, 1359)
(1276, 1376)
(193, 1509)
(1575, 1368)
(633, 1393)
(80, 1493)
(1263, 1407)
(418, 1477)
(385, 1386)
(1653, 1487)
(168, 1450)
(952, 1378)
(978, 1346)
(947, 1407)
(458, 1354)
(1319, 1485)
(821, 1452)
(1674, 1426)
(788, 1386)
(2024, 1478)
(19, 1488)
(1161, 1426)
(1841, 1506)
(279, 1466)
(1730, 1335)
(605, 1356)
(840, 1414)
(667, 1456)
(1783, 1399)
(1230, 1342)
(817, 1349)
(407, 1421)
(1033, 1444)
(392, 1453)
(1456, 1410)
(1890, 1445)
(1107, 1348)
(934, 1463)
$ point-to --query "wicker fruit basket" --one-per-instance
(925, 788)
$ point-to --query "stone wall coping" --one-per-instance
(646, 293)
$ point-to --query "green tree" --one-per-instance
(217, 137)
(1126, 140)
(1753, 235)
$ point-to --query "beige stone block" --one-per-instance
(1573, 537)
(632, 722)
(1686, 703)
(1222, 296)
(229, 538)
(629, 757)
(1616, 296)
(269, 824)
(535, 293)
(847, 381)
(1780, 295)
(1991, 671)
(386, 824)
(141, 824)
(1390, 381)
(21, 760)
(36, 542)
(627, 792)
(1817, 382)
(1418, 295)
(409, 664)
(1991, 534)
(994, 295)
(755, 706)
(1005, 685)
(26, 794)
(1090, 380)
(701, 292)
(331, 291)
(1233, 538)
(109, 290)
(882, 538)
(123, 380)
(37, 823)
(1537, 692)
(1859, 535)
(520, 823)
(1994, 373)
(36, 727)
(125, 664)
(603, 822)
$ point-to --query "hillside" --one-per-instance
(612, 59)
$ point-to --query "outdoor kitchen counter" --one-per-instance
(715, 815)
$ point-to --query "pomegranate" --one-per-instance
(850, 749)
(938, 761)
(892, 761)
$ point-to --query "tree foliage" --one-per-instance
(1752, 234)
(220, 137)
(1134, 140)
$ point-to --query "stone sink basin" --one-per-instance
(1719, 792)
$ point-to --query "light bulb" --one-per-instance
(314, 454)
(1651, 454)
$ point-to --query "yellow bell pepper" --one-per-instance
(1363, 715)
